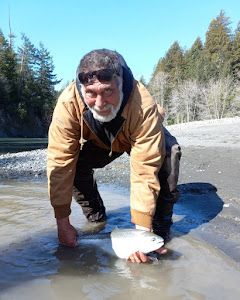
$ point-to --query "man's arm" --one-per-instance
(63, 149)
(146, 157)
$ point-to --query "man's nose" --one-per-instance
(99, 102)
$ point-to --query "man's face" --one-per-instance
(103, 99)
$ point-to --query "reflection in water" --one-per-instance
(34, 266)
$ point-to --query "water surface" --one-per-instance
(21, 144)
(34, 266)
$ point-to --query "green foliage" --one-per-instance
(172, 63)
(194, 61)
(22, 111)
(218, 46)
(198, 72)
(235, 63)
(8, 74)
(27, 81)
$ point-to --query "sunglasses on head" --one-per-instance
(101, 75)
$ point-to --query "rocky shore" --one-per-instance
(32, 165)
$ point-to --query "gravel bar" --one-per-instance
(32, 165)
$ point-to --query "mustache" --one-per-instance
(106, 107)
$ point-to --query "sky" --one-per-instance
(142, 31)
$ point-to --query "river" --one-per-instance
(21, 144)
(34, 266)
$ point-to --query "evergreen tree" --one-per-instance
(4, 92)
(172, 67)
(195, 62)
(27, 55)
(199, 81)
(8, 74)
(235, 64)
(173, 64)
(46, 80)
(218, 47)
(160, 67)
(27, 81)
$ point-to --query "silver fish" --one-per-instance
(127, 241)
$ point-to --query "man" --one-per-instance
(101, 115)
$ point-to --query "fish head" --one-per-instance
(127, 241)
(148, 242)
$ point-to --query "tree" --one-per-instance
(8, 73)
(186, 102)
(219, 96)
(218, 47)
(158, 88)
(45, 80)
(27, 82)
(173, 64)
(4, 92)
(234, 109)
(27, 55)
(235, 64)
(195, 62)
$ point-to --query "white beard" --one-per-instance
(114, 110)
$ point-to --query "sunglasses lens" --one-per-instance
(83, 78)
(102, 75)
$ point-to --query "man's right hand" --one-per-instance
(67, 234)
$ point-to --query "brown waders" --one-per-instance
(168, 177)
(86, 193)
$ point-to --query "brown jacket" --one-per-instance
(141, 136)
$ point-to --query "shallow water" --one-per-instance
(34, 266)
(21, 144)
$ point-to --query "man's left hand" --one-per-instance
(140, 257)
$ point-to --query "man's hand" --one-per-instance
(67, 234)
(140, 257)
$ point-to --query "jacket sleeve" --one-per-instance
(146, 157)
(63, 150)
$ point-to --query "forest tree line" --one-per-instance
(27, 82)
(202, 82)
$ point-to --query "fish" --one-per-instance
(126, 241)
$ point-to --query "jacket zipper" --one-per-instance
(89, 127)
(111, 151)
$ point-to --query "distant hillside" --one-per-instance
(12, 127)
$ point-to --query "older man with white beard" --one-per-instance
(98, 117)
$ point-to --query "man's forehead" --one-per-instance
(100, 84)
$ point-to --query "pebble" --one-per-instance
(32, 165)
